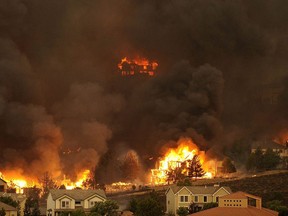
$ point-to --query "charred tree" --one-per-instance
(195, 169)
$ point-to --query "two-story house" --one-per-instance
(193, 196)
(238, 204)
(282, 150)
(62, 200)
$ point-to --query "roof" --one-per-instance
(14, 196)
(267, 144)
(228, 211)
(3, 180)
(198, 189)
(237, 195)
(77, 194)
(7, 207)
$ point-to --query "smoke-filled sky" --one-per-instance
(63, 106)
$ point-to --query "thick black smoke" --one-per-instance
(63, 106)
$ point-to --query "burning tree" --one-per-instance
(130, 167)
(195, 169)
(184, 161)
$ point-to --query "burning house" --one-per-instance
(138, 66)
(186, 161)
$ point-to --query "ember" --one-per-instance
(137, 66)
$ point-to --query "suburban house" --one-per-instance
(20, 198)
(193, 196)
(3, 185)
(62, 200)
(238, 204)
(282, 150)
(9, 210)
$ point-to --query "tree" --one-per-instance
(255, 160)
(149, 207)
(78, 212)
(195, 169)
(91, 182)
(209, 205)
(271, 159)
(2, 212)
(259, 160)
(186, 182)
(182, 211)
(31, 207)
(131, 166)
(109, 207)
(133, 205)
(228, 166)
(47, 183)
(277, 205)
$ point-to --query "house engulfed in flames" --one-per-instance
(179, 157)
(139, 66)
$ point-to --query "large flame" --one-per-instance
(174, 157)
(18, 181)
(130, 67)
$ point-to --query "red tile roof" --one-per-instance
(229, 211)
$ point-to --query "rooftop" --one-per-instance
(199, 189)
(7, 207)
(239, 195)
(228, 211)
(77, 194)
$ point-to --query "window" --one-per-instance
(92, 203)
(217, 199)
(196, 199)
(183, 198)
(205, 199)
(77, 202)
(65, 204)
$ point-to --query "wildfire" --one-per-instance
(69, 185)
(19, 182)
(175, 158)
(137, 66)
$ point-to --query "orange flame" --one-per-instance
(137, 66)
(185, 151)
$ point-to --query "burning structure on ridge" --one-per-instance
(138, 66)
(186, 161)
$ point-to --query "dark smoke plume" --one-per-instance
(64, 107)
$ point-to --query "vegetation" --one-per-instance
(11, 202)
(108, 207)
(2, 212)
(259, 160)
(210, 205)
(31, 207)
(257, 185)
(195, 169)
(228, 166)
(182, 211)
(186, 182)
(277, 205)
(148, 206)
(47, 183)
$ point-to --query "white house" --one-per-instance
(62, 200)
(193, 196)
